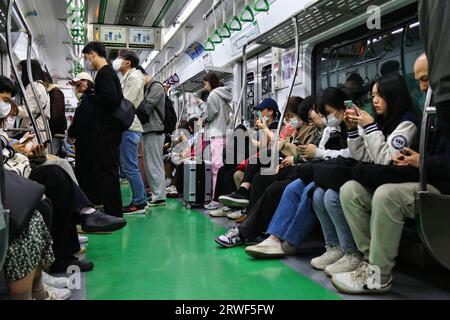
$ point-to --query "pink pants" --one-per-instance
(216, 146)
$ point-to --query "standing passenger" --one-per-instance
(133, 90)
(154, 137)
(107, 135)
(217, 119)
(434, 22)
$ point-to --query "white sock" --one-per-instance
(87, 210)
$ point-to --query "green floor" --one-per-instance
(170, 255)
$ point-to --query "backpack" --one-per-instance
(170, 119)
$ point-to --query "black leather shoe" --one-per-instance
(61, 265)
(101, 222)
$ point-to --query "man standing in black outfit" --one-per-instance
(107, 134)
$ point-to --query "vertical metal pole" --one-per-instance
(33, 88)
(274, 154)
(16, 73)
(244, 80)
(243, 96)
(427, 112)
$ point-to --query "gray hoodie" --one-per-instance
(155, 99)
(217, 112)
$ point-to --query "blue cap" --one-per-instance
(267, 104)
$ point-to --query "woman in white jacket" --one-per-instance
(375, 139)
(42, 97)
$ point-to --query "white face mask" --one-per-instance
(88, 66)
(117, 64)
(331, 121)
(294, 123)
(5, 109)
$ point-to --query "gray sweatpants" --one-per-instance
(154, 164)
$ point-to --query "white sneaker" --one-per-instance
(55, 282)
(83, 239)
(267, 249)
(235, 215)
(220, 213)
(212, 206)
(332, 255)
(57, 294)
(349, 262)
(364, 280)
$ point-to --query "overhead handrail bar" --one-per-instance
(14, 68)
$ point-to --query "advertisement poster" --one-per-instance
(114, 36)
(142, 38)
(288, 67)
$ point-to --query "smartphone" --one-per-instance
(348, 104)
(26, 140)
(260, 117)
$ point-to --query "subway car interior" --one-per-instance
(224, 150)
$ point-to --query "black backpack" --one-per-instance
(170, 119)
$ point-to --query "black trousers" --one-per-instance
(106, 179)
(261, 214)
(225, 181)
(67, 199)
(84, 169)
(443, 116)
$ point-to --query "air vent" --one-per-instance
(133, 12)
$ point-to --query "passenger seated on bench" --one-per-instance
(297, 132)
(184, 150)
(376, 218)
(330, 109)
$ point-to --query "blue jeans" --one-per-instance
(294, 220)
(336, 230)
(130, 167)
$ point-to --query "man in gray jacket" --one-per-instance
(434, 24)
(154, 137)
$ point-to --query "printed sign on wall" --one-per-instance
(142, 38)
(113, 36)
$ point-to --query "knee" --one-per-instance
(384, 194)
(350, 191)
(318, 196)
(332, 201)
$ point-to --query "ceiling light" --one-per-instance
(184, 15)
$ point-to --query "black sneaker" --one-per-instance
(238, 199)
(134, 209)
(101, 222)
(61, 265)
(157, 203)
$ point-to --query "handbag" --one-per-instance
(334, 173)
(125, 114)
(22, 197)
(373, 176)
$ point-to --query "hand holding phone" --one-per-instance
(27, 138)
(260, 117)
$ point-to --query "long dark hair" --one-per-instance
(393, 89)
(333, 97)
(213, 80)
(36, 71)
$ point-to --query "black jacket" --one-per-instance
(84, 119)
(108, 96)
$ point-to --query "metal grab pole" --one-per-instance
(16, 73)
(33, 88)
(427, 111)
(274, 154)
(242, 99)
